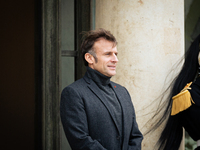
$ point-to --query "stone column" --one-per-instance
(150, 36)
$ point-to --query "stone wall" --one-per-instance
(150, 36)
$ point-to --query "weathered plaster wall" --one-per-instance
(150, 36)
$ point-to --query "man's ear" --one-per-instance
(89, 58)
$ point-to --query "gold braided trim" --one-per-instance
(182, 100)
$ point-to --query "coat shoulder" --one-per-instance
(77, 85)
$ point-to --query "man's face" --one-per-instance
(106, 55)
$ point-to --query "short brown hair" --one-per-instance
(90, 37)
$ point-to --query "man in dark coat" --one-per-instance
(96, 113)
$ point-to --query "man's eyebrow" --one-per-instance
(110, 52)
(107, 52)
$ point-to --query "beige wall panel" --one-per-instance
(150, 36)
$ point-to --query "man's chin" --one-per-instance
(112, 73)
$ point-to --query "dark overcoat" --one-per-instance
(89, 122)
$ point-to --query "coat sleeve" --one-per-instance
(74, 121)
(136, 136)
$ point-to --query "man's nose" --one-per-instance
(114, 58)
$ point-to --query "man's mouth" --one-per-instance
(112, 67)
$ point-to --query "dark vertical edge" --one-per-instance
(38, 75)
(50, 75)
(82, 23)
(76, 48)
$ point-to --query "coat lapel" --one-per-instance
(122, 97)
(118, 93)
(95, 89)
